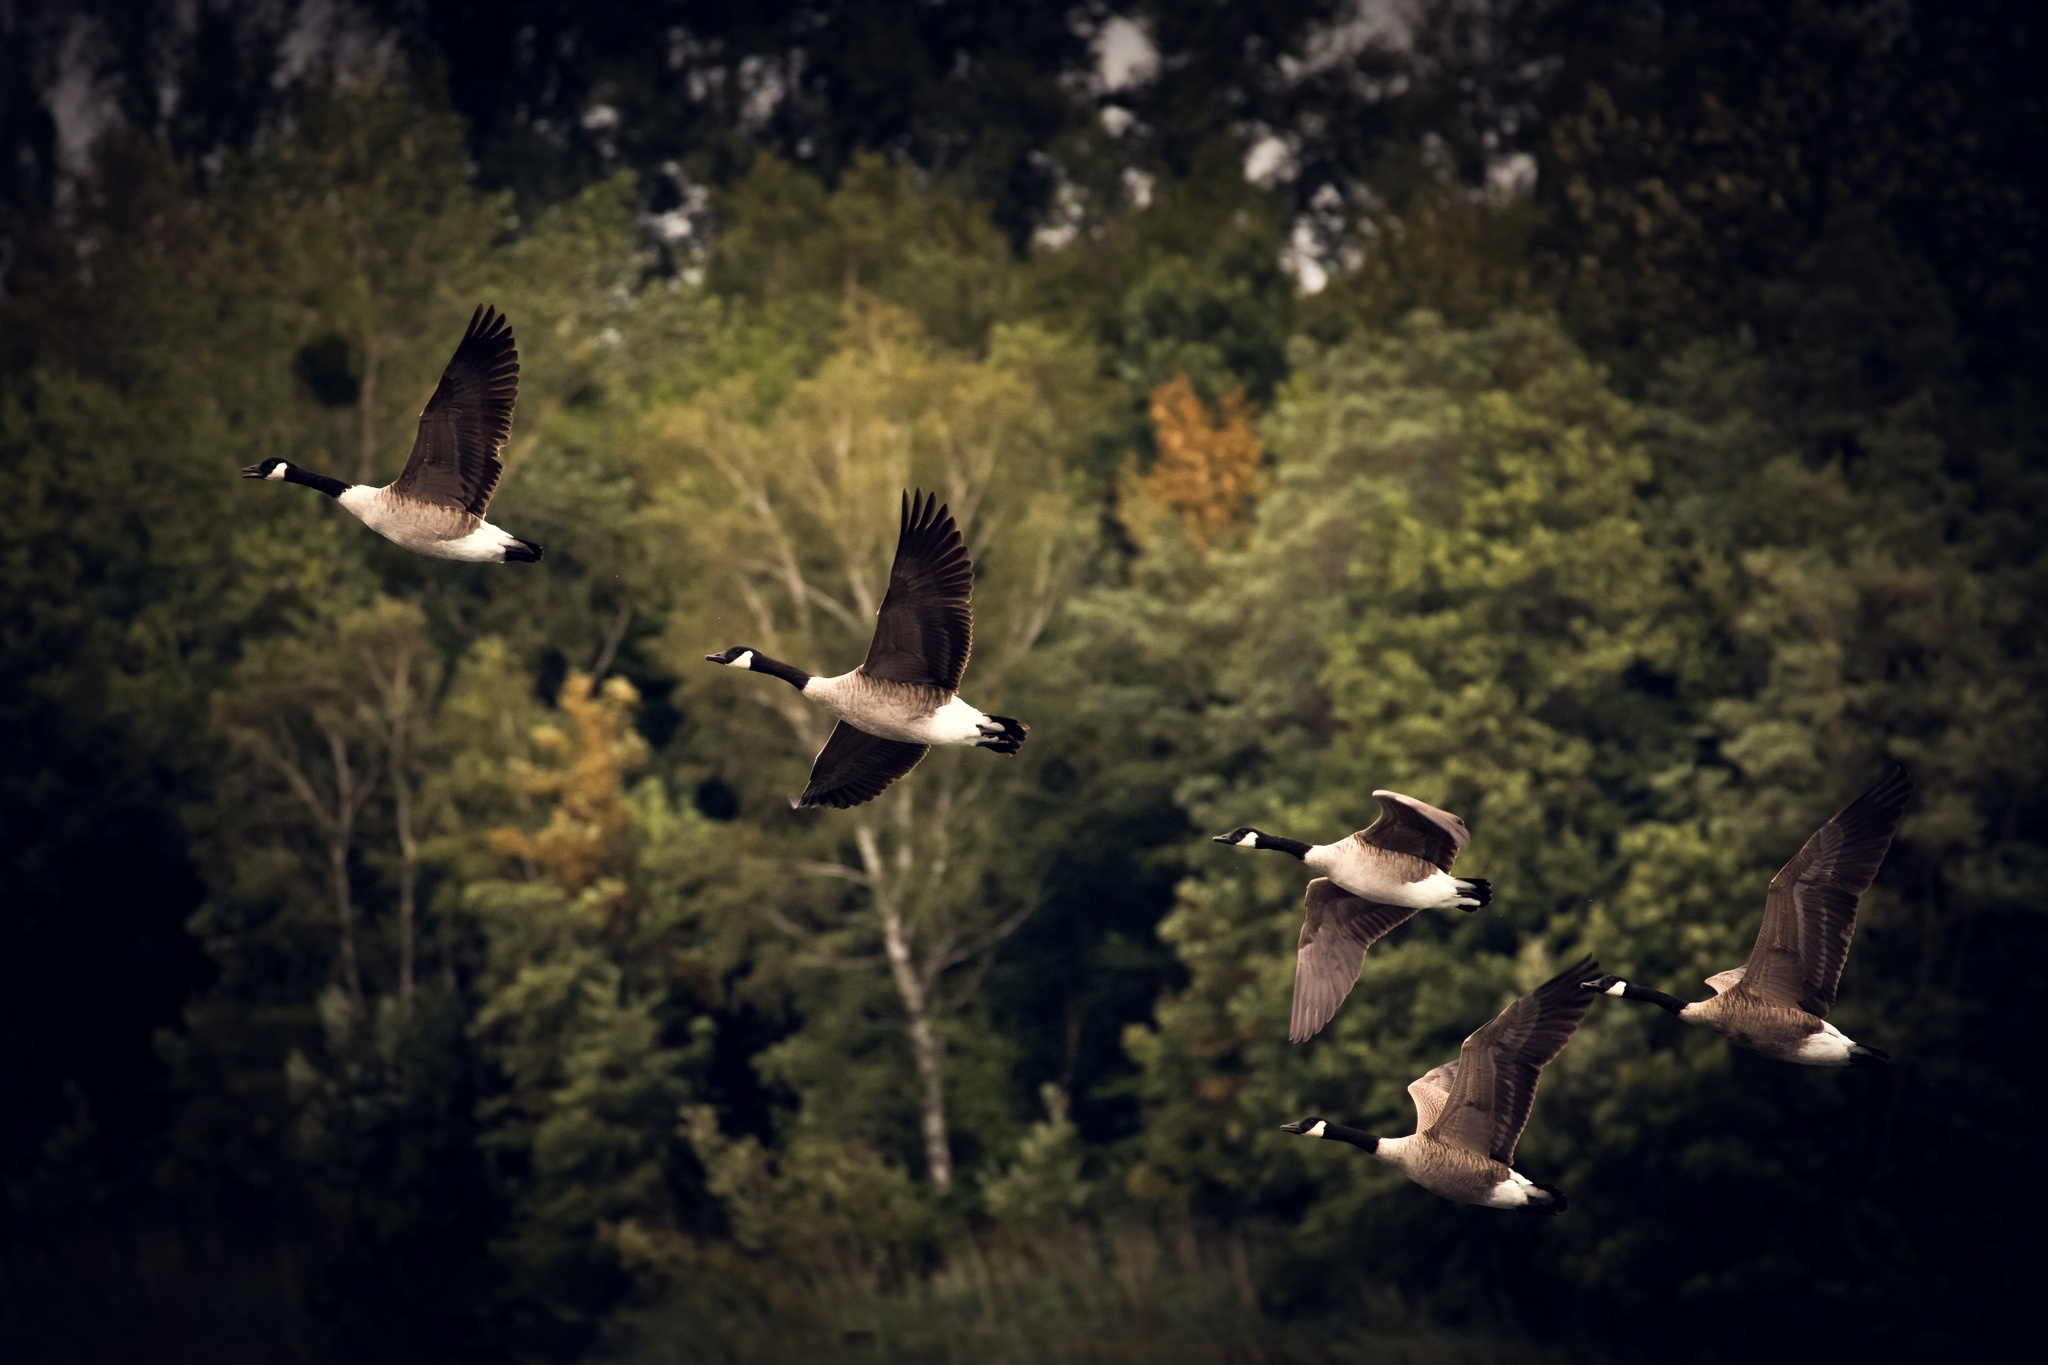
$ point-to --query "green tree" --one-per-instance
(788, 521)
(1449, 589)
(582, 1008)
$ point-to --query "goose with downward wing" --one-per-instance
(905, 696)
(1373, 882)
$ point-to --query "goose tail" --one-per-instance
(522, 552)
(1010, 738)
(1861, 1056)
(1474, 893)
(1548, 1200)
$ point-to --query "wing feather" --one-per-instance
(1431, 1091)
(855, 767)
(1499, 1065)
(1810, 909)
(458, 451)
(1417, 829)
(1336, 929)
(1722, 982)
(925, 628)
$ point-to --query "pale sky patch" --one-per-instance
(1124, 55)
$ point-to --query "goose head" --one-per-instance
(1244, 836)
(739, 656)
(272, 468)
(1311, 1126)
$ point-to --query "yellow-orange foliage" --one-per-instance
(1207, 461)
(584, 839)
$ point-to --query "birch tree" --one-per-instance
(294, 714)
(388, 639)
(791, 519)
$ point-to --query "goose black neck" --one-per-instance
(1357, 1137)
(333, 488)
(1294, 848)
(775, 668)
(1631, 991)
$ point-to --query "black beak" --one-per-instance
(254, 471)
(1221, 839)
(713, 659)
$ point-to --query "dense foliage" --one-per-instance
(411, 960)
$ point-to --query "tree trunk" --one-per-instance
(926, 1047)
(345, 913)
(338, 846)
(408, 874)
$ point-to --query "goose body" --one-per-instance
(899, 711)
(1402, 858)
(1470, 1113)
(905, 696)
(1373, 882)
(1777, 1003)
(436, 505)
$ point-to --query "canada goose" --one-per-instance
(1470, 1113)
(1377, 879)
(1402, 858)
(436, 504)
(1777, 1003)
(904, 697)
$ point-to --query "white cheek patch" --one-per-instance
(277, 473)
(1617, 988)
(1317, 1131)
(1252, 841)
(746, 660)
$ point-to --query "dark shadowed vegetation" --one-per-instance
(1622, 425)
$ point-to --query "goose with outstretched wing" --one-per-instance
(1373, 882)
(437, 503)
(1777, 1003)
(1469, 1113)
(905, 696)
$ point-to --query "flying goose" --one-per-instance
(436, 504)
(1777, 1003)
(904, 697)
(1470, 1113)
(1374, 882)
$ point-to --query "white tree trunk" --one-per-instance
(927, 1049)
(341, 837)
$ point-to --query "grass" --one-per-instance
(1127, 1297)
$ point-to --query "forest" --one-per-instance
(1620, 423)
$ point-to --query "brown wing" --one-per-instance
(1810, 910)
(458, 451)
(1336, 929)
(855, 766)
(1430, 1091)
(925, 629)
(1723, 982)
(1417, 829)
(1499, 1065)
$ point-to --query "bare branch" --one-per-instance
(284, 760)
(801, 933)
(839, 611)
(822, 963)
(805, 867)
(989, 940)
(609, 642)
